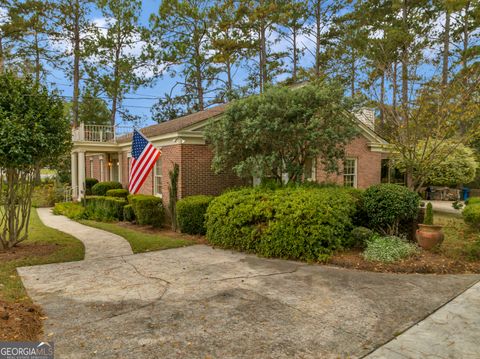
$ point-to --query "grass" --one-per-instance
(140, 241)
(68, 249)
(461, 241)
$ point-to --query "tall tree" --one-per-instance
(261, 20)
(120, 55)
(181, 31)
(71, 21)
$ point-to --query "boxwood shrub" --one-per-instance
(386, 206)
(147, 209)
(128, 214)
(191, 214)
(122, 193)
(471, 214)
(102, 208)
(297, 223)
(71, 210)
(89, 183)
(101, 188)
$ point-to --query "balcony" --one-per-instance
(99, 133)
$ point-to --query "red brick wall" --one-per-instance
(198, 176)
(368, 165)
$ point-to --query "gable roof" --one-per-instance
(177, 124)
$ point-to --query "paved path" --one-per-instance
(98, 243)
(444, 207)
(451, 332)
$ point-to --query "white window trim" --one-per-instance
(355, 179)
(155, 180)
(102, 170)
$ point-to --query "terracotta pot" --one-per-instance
(428, 236)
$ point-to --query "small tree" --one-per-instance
(456, 164)
(33, 133)
(275, 133)
(173, 194)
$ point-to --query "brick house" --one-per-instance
(103, 152)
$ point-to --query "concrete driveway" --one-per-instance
(199, 302)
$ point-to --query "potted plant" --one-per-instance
(429, 235)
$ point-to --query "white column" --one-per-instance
(120, 167)
(74, 173)
(81, 175)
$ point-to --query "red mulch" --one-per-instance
(20, 321)
(424, 262)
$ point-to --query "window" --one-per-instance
(350, 172)
(158, 177)
(102, 170)
(91, 168)
(309, 172)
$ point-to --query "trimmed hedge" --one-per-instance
(360, 236)
(71, 210)
(103, 208)
(128, 214)
(471, 214)
(472, 200)
(148, 210)
(297, 223)
(101, 188)
(387, 205)
(191, 214)
(121, 193)
(89, 183)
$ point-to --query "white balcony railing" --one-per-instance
(99, 133)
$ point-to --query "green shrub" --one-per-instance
(103, 208)
(89, 183)
(128, 214)
(71, 210)
(191, 214)
(388, 249)
(297, 223)
(387, 205)
(101, 188)
(148, 209)
(471, 214)
(428, 215)
(122, 193)
(46, 195)
(473, 200)
(360, 236)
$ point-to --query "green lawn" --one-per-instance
(140, 241)
(67, 249)
(461, 242)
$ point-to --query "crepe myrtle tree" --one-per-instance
(33, 133)
(274, 133)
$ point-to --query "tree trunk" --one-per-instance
(353, 72)
(294, 39)
(465, 38)
(37, 58)
(1, 55)
(446, 48)
(263, 58)
(382, 98)
(318, 37)
(405, 59)
(76, 62)
(229, 76)
(394, 85)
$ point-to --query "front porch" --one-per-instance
(96, 153)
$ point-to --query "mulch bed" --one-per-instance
(424, 262)
(20, 321)
(26, 250)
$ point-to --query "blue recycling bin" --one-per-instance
(465, 193)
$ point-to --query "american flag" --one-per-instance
(144, 156)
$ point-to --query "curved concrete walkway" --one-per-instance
(199, 302)
(98, 243)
